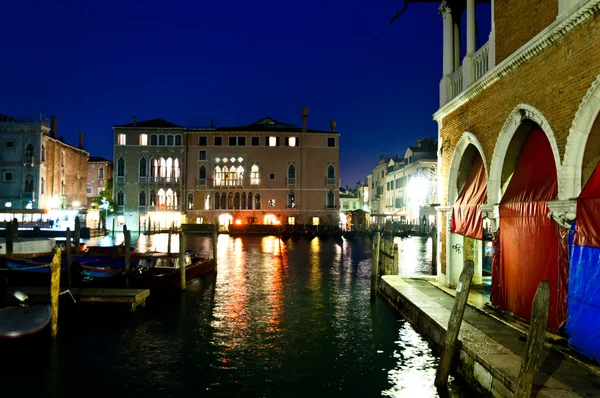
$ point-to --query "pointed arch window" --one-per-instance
(207, 202)
(153, 169)
(202, 176)
(143, 172)
(29, 150)
(236, 201)
(161, 198)
(240, 176)
(62, 159)
(230, 201)
(176, 199)
(217, 176)
(232, 176)
(217, 201)
(330, 200)
(223, 201)
(43, 186)
(120, 198)
(28, 183)
(330, 175)
(121, 167)
(142, 198)
(176, 170)
(254, 175)
(257, 202)
(250, 201)
(169, 199)
(291, 177)
(162, 168)
(101, 173)
(153, 198)
(244, 203)
(190, 201)
(169, 169)
(62, 188)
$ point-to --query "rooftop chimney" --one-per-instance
(134, 120)
(332, 123)
(53, 126)
(304, 116)
(81, 140)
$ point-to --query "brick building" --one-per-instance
(100, 170)
(529, 96)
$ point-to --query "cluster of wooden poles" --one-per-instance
(383, 260)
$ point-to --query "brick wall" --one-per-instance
(517, 21)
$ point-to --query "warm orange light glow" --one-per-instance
(238, 222)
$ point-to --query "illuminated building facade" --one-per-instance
(267, 172)
(99, 171)
(148, 174)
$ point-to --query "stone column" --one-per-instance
(448, 53)
(467, 71)
(456, 44)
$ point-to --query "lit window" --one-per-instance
(143, 139)
(225, 160)
(217, 160)
(121, 139)
(240, 159)
(292, 141)
(315, 221)
(291, 220)
(272, 202)
(254, 175)
(232, 159)
(190, 200)
(272, 141)
(207, 202)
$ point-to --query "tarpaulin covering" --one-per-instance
(466, 211)
(588, 213)
(583, 322)
(529, 244)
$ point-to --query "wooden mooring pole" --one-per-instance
(182, 259)
(396, 254)
(9, 239)
(375, 265)
(535, 341)
(77, 237)
(456, 316)
(69, 257)
(214, 242)
(169, 241)
(127, 244)
(54, 291)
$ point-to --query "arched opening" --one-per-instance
(29, 183)
(190, 200)
(225, 220)
(29, 150)
(257, 202)
(529, 245)
(176, 170)
(250, 201)
(161, 199)
(207, 202)
(230, 201)
(223, 201)
(169, 169)
(143, 167)
(217, 201)
(243, 200)
(142, 198)
(170, 200)
(153, 198)
(236, 201)
(271, 219)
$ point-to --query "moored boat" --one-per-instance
(157, 270)
(18, 322)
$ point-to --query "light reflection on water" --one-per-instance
(287, 319)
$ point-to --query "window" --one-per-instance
(291, 178)
(202, 176)
(315, 221)
(230, 201)
(43, 153)
(257, 202)
(43, 186)
(207, 202)
(250, 201)
(121, 139)
(255, 141)
(199, 220)
(152, 198)
(292, 141)
(190, 201)
(143, 139)
(236, 201)
(120, 198)
(217, 203)
(28, 183)
(170, 140)
(62, 159)
(161, 140)
(291, 220)
(218, 141)
(254, 176)
(330, 175)
(272, 141)
(232, 141)
(178, 140)
(121, 167)
(62, 188)
(202, 155)
(331, 142)
(271, 176)
(143, 168)
(330, 200)
(142, 198)
(244, 200)
(89, 191)
(29, 150)
(101, 173)
(202, 140)
(223, 201)
(291, 204)
(7, 176)
(241, 141)
(10, 144)
(153, 139)
(271, 202)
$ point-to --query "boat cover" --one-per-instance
(467, 219)
(530, 247)
(583, 322)
(22, 321)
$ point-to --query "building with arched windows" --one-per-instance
(267, 172)
(38, 170)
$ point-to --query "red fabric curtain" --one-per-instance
(588, 212)
(529, 245)
(466, 211)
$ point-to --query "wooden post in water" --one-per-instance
(434, 251)
(69, 257)
(182, 259)
(113, 227)
(456, 316)
(375, 265)
(396, 268)
(169, 241)
(77, 238)
(127, 245)
(535, 341)
(9, 239)
(54, 291)
(215, 238)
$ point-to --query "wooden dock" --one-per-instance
(132, 297)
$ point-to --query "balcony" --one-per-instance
(28, 161)
(201, 182)
(165, 180)
(330, 181)
(291, 182)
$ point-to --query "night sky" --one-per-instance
(95, 64)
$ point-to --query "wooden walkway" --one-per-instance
(131, 297)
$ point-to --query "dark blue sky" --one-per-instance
(94, 64)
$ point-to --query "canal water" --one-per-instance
(289, 319)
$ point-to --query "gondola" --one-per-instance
(160, 270)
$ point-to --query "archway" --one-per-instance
(225, 220)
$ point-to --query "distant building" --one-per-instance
(38, 169)
(148, 182)
(99, 171)
(267, 172)
(349, 201)
(377, 199)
